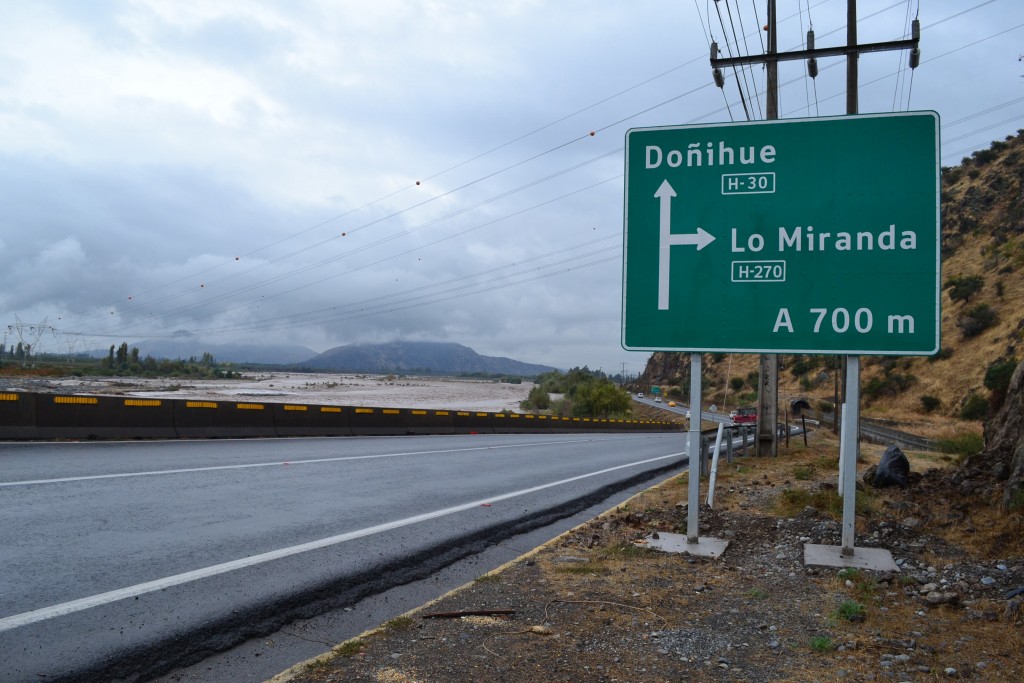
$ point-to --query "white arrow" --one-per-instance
(700, 239)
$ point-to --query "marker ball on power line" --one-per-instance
(766, 27)
(417, 182)
(592, 133)
(343, 234)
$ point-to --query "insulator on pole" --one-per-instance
(716, 73)
(812, 63)
(915, 35)
(719, 78)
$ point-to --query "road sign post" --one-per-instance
(813, 236)
(791, 236)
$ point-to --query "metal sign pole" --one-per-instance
(849, 453)
(693, 449)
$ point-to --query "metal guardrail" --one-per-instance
(876, 433)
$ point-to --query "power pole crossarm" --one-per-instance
(838, 51)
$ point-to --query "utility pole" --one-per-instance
(768, 387)
(766, 443)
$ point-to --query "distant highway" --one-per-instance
(682, 409)
(124, 560)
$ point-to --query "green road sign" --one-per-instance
(791, 236)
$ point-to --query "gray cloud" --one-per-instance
(247, 170)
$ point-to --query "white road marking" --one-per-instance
(278, 463)
(65, 608)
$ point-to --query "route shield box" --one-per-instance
(790, 236)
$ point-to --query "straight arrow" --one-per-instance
(700, 239)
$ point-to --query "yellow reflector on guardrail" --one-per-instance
(200, 404)
(298, 408)
(142, 402)
(77, 400)
(8, 397)
(330, 409)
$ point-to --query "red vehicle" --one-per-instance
(745, 416)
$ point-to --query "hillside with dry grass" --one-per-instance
(982, 320)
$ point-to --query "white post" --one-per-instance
(714, 466)
(693, 449)
(848, 447)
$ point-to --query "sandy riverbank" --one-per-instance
(320, 388)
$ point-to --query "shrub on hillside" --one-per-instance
(963, 287)
(974, 408)
(930, 403)
(997, 379)
(976, 320)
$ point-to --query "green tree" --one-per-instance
(122, 354)
(600, 398)
(538, 399)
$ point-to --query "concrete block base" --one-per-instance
(677, 543)
(877, 559)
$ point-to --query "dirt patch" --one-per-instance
(596, 604)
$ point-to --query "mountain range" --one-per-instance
(419, 357)
(439, 358)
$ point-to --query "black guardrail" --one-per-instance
(30, 416)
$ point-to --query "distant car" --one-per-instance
(671, 404)
(745, 416)
(657, 399)
(639, 394)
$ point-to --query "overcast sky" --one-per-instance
(328, 172)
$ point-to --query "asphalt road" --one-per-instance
(125, 560)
